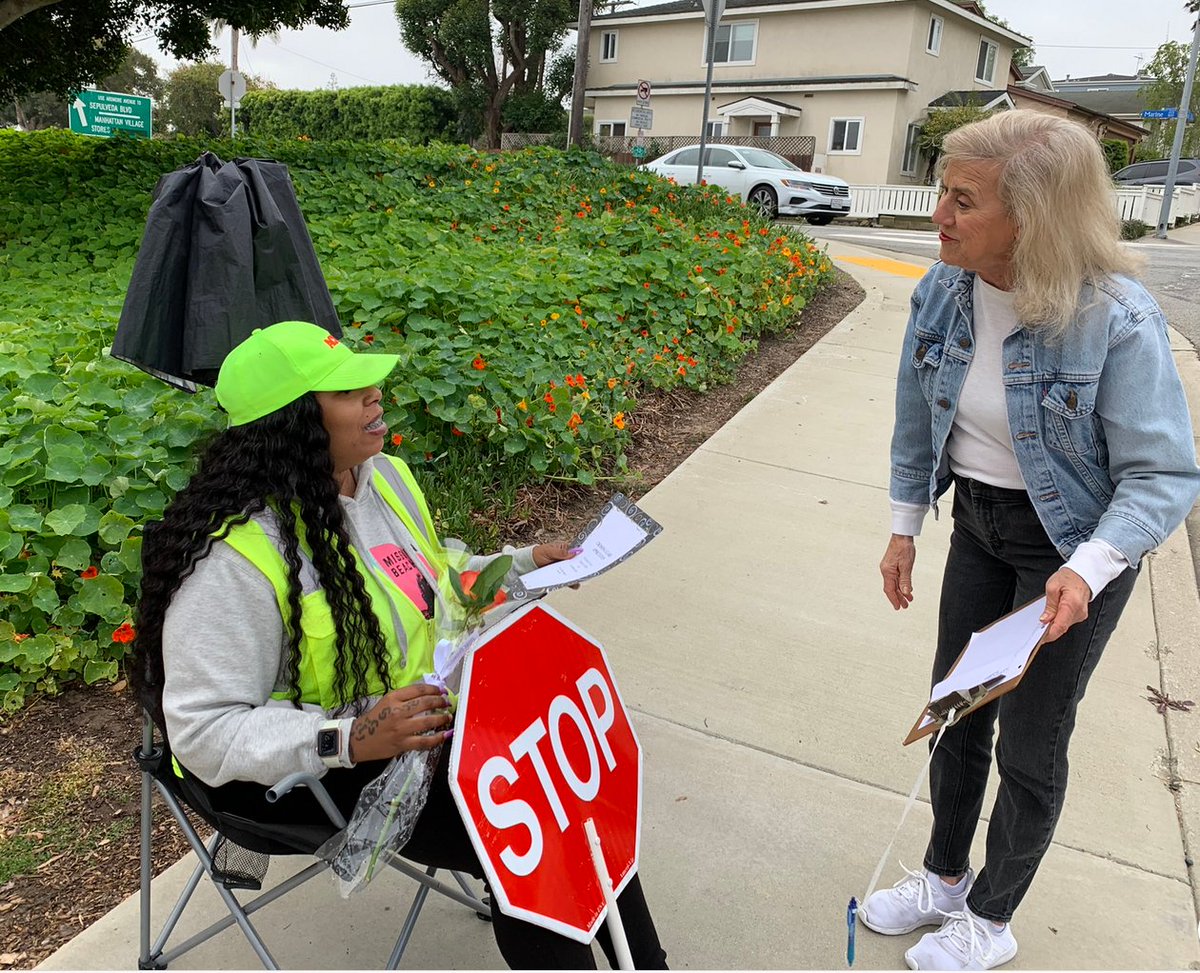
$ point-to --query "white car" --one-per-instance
(764, 179)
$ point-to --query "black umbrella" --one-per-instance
(225, 251)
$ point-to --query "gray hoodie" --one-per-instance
(224, 652)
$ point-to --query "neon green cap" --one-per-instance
(277, 365)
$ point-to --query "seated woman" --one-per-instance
(286, 613)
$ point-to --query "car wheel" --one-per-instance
(765, 199)
(820, 219)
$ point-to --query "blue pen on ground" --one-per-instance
(851, 926)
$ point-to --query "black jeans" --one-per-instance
(1000, 558)
(439, 839)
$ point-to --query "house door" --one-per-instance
(762, 129)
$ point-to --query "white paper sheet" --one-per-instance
(614, 537)
(998, 654)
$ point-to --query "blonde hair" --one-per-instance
(1055, 186)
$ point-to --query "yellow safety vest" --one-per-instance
(409, 652)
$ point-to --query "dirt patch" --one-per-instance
(69, 790)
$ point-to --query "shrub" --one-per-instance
(415, 113)
(1134, 229)
(529, 297)
(1116, 153)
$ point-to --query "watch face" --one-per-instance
(327, 743)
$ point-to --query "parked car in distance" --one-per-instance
(763, 179)
(1155, 173)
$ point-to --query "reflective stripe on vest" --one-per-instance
(410, 651)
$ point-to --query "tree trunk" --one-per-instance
(582, 44)
(491, 123)
(22, 122)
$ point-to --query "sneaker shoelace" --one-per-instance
(915, 885)
(973, 937)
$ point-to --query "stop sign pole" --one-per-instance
(545, 769)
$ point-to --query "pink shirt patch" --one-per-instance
(404, 574)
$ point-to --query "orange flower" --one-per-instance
(88, 573)
(20, 637)
(397, 439)
(456, 430)
(553, 315)
(571, 380)
(522, 406)
(612, 383)
(124, 633)
(619, 420)
(653, 210)
(698, 269)
(578, 309)
(574, 422)
(729, 328)
(580, 380)
(647, 285)
(479, 364)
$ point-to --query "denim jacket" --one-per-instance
(1099, 422)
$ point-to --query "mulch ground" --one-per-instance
(69, 790)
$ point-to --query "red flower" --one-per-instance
(397, 439)
(88, 573)
(479, 364)
(647, 285)
(456, 430)
(369, 339)
(698, 269)
(123, 634)
(529, 422)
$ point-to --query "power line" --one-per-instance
(332, 67)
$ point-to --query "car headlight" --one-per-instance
(797, 184)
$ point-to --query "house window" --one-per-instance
(933, 42)
(912, 152)
(608, 47)
(611, 128)
(715, 128)
(985, 67)
(735, 43)
(845, 136)
(762, 129)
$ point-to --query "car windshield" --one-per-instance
(767, 160)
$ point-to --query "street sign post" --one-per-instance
(641, 118)
(105, 113)
(713, 11)
(543, 745)
(643, 90)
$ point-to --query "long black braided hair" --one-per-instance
(281, 461)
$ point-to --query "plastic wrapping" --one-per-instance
(383, 820)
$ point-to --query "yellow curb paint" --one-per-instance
(886, 266)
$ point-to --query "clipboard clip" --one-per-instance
(962, 700)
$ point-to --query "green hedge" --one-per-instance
(1116, 153)
(414, 113)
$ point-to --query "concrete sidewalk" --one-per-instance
(772, 685)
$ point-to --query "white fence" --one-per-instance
(1135, 203)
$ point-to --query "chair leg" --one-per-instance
(461, 879)
(146, 961)
(410, 922)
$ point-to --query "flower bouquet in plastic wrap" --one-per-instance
(388, 807)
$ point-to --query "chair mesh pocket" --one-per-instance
(236, 867)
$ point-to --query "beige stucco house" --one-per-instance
(856, 76)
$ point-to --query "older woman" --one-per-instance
(1024, 380)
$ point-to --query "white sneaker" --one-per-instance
(919, 899)
(965, 942)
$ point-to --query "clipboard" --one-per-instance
(933, 716)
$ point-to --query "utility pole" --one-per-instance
(1181, 121)
(233, 66)
(713, 9)
(582, 45)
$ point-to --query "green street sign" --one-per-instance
(105, 113)
(639, 151)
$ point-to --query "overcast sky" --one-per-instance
(1075, 37)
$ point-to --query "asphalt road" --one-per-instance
(1172, 268)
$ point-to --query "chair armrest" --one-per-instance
(318, 789)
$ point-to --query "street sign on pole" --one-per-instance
(643, 90)
(641, 118)
(543, 745)
(232, 84)
(105, 113)
(1164, 213)
(713, 11)
(1166, 113)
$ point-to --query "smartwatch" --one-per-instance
(329, 743)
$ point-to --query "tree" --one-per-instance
(64, 45)
(486, 50)
(940, 123)
(193, 105)
(136, 75)
(1169, 69)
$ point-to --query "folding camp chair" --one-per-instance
(236, 857)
